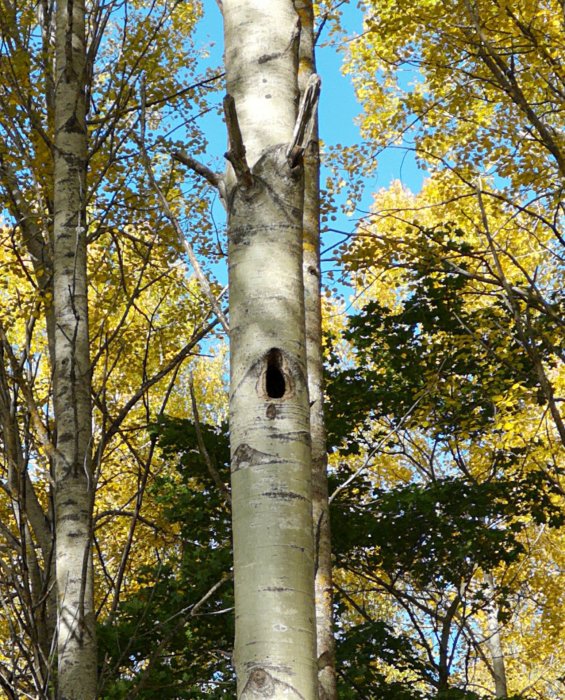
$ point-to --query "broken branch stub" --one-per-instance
(304, 121)
(236, 152)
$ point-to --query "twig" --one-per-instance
(196, 607)
(375, 449)
(183, 617)
(167, 98)
(130, 403)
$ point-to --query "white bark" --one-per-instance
(269, 410)
(261, 44)
(494, 643)
(71, 371)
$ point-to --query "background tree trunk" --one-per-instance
(275, 653)
(325, 643)
(494, 643)
(74, 486)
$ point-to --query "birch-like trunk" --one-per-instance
(76, 645)
(275, 654)
(494, 643)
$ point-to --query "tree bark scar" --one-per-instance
(246, 456)
(68, 502)
(242, 234)
(268, 57)
(261, 684)
(73, 125)
(290, 436)
(276, 589)
(70, 517)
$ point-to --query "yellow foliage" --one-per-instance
(461, 91)
(479, 102)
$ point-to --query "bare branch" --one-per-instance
(126, 408)
(375, 450)
(167, 98)
(199, 168)
(215, 179)
(196, 607)
(122, 514)
(236, 152)
(183, 616)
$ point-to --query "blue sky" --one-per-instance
(337, 113)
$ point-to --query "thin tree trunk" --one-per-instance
(71, 368)
(325, 642)
(275, 653)
(494, 643)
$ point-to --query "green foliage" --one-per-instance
(361, 647)
(435, 363)
(154, 645)
(439, 533)
(432, 340)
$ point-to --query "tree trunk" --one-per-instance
(71, 368)
(275, 653)
(494, 643)
(325, 643)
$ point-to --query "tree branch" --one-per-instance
(236, 152)
(184, 615)
(199, 168)
(126, 408)
(215, 179)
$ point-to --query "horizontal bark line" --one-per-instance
(284, 495)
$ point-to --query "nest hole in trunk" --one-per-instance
(274, 377)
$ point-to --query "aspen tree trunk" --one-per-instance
(494, 644)
(71, 368)
(275, 646)
(325, 642)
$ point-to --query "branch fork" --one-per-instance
(235, 155)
